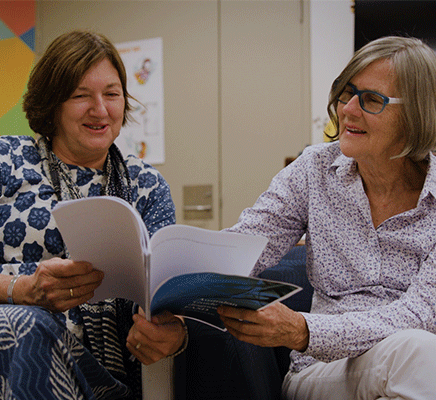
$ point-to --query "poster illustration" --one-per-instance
(143, 136)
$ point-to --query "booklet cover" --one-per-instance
(197, 296)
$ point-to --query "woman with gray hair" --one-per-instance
(367, 205)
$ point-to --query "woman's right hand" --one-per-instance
(58, 285)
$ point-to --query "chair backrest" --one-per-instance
(292, 269)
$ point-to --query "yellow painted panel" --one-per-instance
(16, 61)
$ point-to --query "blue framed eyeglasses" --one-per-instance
(370, 101)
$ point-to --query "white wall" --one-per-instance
(236, 87)
(239, 82)
(332, 46)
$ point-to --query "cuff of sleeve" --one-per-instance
(326, 337)
(184, 344)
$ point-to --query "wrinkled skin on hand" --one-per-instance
(54, 282)
(275, 325)
(156, 339)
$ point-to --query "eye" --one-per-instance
(113, 94)
(373, 98)
(78, 96)
(347, 94)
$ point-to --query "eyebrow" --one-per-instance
(366, 90)
(109, 86)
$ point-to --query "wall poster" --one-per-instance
(144, 135)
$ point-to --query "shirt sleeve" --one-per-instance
(151, 195)
(160, 209)
(280, 214)
(22, 268)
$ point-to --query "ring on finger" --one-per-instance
(138, 345)
(71, 293)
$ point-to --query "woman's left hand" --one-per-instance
(150, 341)
(275, 325)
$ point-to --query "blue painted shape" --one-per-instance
(29, 38)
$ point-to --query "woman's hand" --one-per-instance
(150, 341)
(275, 325)
(58, 285)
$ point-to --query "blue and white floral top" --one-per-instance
(28, 230)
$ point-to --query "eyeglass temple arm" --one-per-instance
(395, 100)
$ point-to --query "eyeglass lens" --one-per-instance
(369, 101)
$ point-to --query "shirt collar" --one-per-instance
(430, 179)
(346, 169)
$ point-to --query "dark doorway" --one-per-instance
(377, 18)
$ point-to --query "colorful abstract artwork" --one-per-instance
(17, 46)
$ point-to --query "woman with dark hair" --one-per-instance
(53, 344)
(367, 205)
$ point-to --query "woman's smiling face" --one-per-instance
(90, 120)
(371, 137)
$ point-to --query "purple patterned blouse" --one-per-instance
(369, 282)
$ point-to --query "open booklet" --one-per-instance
(183, 269)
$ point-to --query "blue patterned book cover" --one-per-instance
(198, 295)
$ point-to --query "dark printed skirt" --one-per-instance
(41, 359)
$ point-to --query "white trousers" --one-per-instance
(402, 366)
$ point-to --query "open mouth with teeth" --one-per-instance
(95, 127)
(354, 130)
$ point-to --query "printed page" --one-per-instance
(110, 234)
(181, 249)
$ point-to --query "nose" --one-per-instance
(353, 106)
(98, 107)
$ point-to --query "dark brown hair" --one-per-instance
(59, 72)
